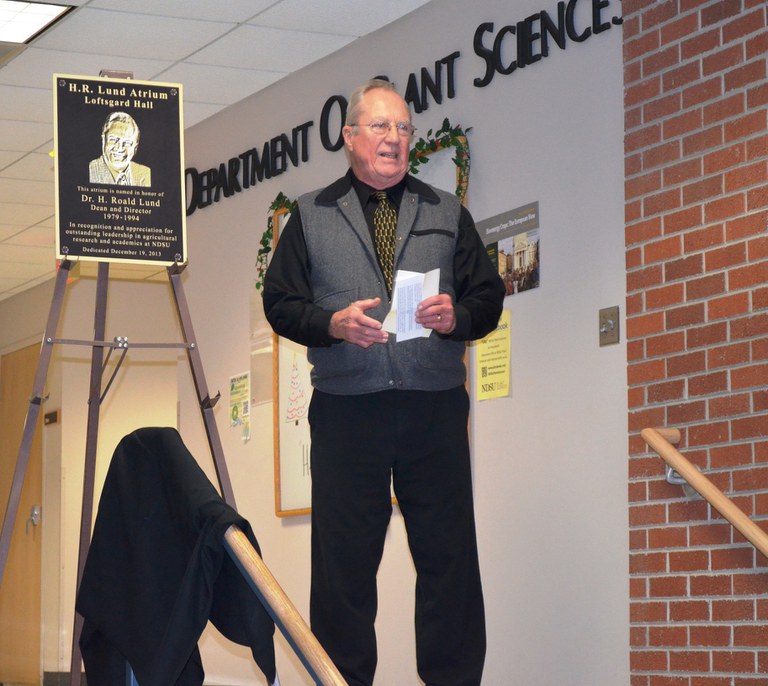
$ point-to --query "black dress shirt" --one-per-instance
(288, 293)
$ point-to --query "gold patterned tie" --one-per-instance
(384, 225)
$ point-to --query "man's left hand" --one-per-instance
(436, 312)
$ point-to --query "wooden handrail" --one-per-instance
(304, 641)
(660, 440)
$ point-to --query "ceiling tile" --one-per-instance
(36, 236)
(17, 280)
(27, 215)
(230, 11)
(113, 34)
(254, 46)
(195, 112)
(35, 165)
(26, 104)
(25, 191)
(23, 135)
(232, 84)
(9, 230)
(26, 257)
(9, 157)
(337, 17)
(35, 67)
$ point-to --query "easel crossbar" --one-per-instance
(116, 344)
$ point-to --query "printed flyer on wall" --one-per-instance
(512, 241)
(492, 361)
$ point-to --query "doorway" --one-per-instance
(20, 594)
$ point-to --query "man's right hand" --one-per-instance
(352, 324)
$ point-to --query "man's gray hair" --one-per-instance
(353, 108)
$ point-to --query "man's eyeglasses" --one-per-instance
(381, 128)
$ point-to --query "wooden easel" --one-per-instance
(312, 655)
(95, 398)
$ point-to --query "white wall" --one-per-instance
(550, 475)
(550, 459)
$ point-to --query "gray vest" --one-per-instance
(344, 268)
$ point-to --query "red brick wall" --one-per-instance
(696, 154)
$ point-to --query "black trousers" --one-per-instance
(419, 441)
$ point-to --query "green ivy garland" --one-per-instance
(447, 136)
(281, 202)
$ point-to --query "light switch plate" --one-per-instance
(609, 325)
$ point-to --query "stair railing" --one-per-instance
(282, 610)
(661, 441)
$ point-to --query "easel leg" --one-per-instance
(86, 517)
(33, 412)
(206, 403)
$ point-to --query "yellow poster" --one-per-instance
(492, 361)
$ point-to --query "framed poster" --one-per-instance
(512, 241)
(293, 390)
(291, 393)
(119, 170)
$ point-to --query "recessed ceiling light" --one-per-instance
(20, 22)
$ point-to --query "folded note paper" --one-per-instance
(409, 289)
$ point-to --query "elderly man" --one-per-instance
(385, 411)
(119, 142)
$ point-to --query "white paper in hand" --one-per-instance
(409, 289)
